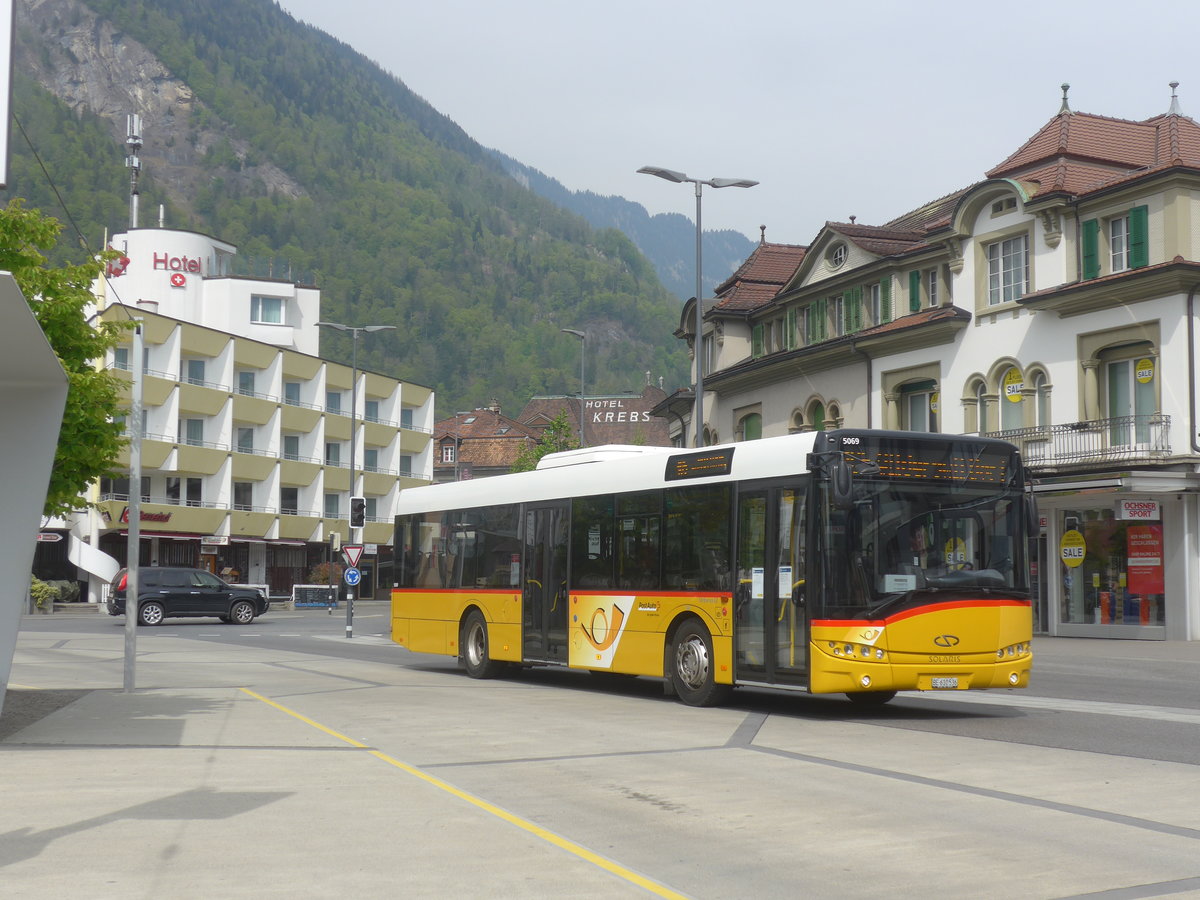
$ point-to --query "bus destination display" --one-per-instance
(958, 462)
(704, 464)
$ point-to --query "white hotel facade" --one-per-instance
(245, 445)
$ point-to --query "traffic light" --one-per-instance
(358, 512)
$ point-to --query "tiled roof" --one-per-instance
(930, 216)
(879, 239)
(1077, 152)
(481, 423)
(493, 452)
(760, 277)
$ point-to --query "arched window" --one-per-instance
(1041, 389)
(797, 422)
(751, 427)
(1012, 399)
(816, 415)
(835, 416)
(919, 406)
(981, 407)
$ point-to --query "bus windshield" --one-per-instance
(906, 543)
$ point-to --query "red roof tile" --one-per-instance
(760, 277)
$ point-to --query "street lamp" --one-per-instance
(582, 355)
(679, 178)
(354, 539)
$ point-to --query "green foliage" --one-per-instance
(89, 440)
(325, 573)
(403, 219)
(557, 437)
(43, 593)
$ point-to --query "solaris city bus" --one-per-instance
(851, 561)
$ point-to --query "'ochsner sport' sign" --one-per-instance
(1138, 510)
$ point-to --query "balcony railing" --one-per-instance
(1120, 439)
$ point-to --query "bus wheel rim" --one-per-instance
(691, 662)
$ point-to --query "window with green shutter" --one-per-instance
(914, 290)
(854, 317)
(885, 300)
(1139, 227)
(1091, 248)
(789, 339)
(756, 341)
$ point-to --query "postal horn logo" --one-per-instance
(603, 634)
(946, 640)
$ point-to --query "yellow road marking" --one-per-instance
(524, 824)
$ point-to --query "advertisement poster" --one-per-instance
(1144, 545)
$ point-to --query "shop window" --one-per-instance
(1112, 567)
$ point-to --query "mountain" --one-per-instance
(668, 240)
(319, 165)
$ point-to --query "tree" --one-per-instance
(90, 440)
(557, 437)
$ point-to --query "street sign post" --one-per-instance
(353, 553)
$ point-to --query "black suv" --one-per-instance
(165, 591)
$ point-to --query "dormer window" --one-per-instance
(1000, 207)
(837, 256)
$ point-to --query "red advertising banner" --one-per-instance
(1144, 546)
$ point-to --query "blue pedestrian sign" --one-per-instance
(352, 576)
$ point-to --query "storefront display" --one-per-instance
(1111, 564)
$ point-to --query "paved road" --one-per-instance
(282, 758)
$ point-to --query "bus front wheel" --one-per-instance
(473, 643)
(692, 666)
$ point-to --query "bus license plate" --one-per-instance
(944, 684)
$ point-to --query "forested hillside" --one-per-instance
(668, 239)
(278, 138)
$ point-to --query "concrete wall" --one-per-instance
(33, 390)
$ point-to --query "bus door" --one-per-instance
(544, 596)
(770, 625)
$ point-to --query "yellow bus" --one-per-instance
(850, 561)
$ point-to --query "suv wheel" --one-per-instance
(242, 612)
(151, 613)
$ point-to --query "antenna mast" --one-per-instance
(133, 140)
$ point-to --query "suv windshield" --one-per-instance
(904, 543)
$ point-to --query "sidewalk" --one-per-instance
(234, 771)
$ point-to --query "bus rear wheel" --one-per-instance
(473, 643)
(692, 666)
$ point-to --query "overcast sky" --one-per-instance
(866, 109)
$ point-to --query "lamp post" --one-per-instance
(354, 332)
(698, 347)
(582, 356)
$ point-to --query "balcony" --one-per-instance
(1123, 439)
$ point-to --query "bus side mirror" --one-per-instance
(841, 482)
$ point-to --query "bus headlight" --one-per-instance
(865, 652)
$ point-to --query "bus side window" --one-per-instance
(592, 543)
